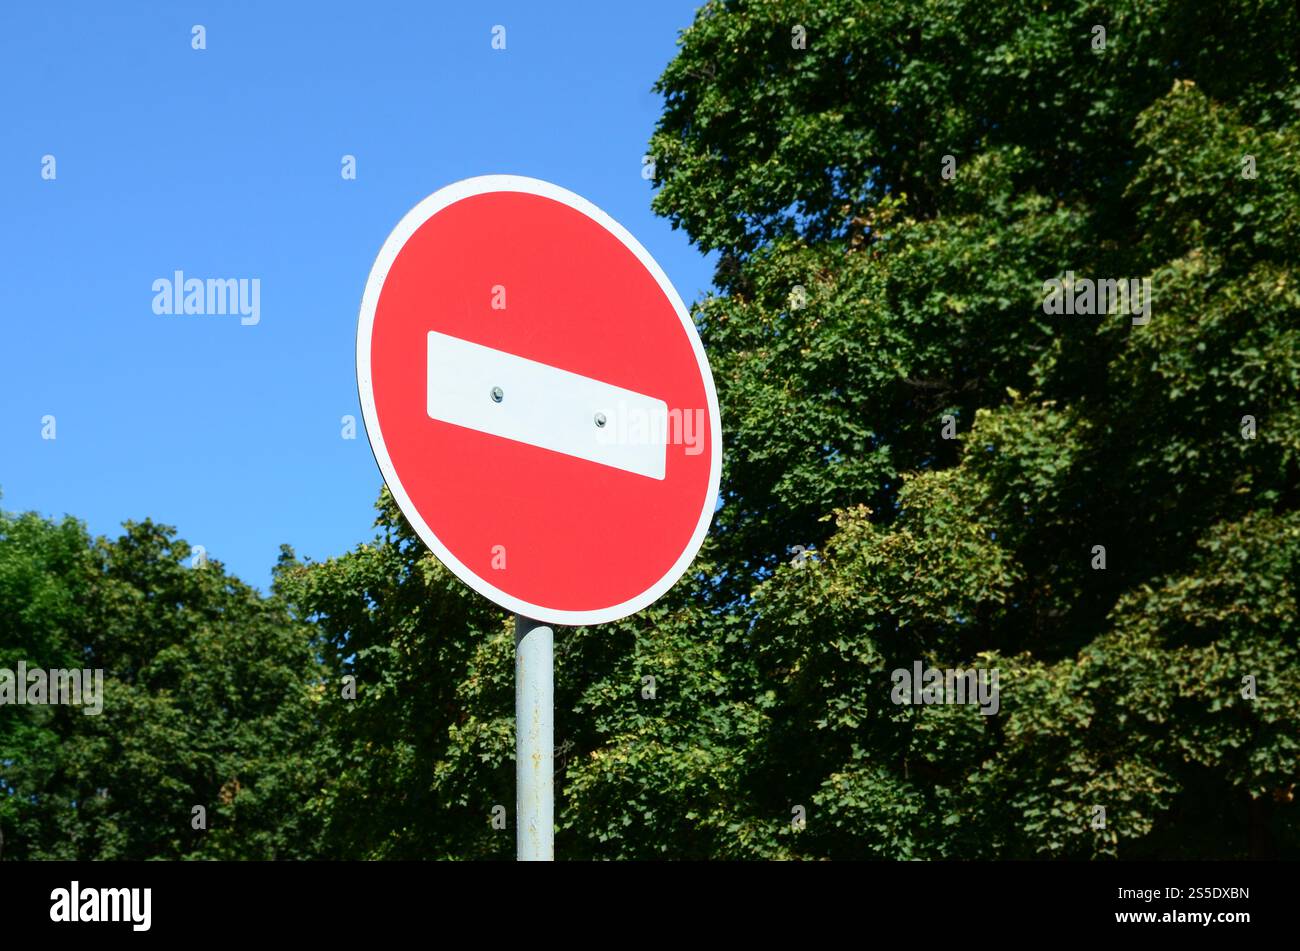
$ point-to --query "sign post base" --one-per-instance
(534, 741)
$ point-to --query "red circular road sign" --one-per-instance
(538, 400)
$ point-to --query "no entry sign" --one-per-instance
(538, 400)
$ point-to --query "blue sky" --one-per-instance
(225, 163)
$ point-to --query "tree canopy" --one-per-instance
(209, 699)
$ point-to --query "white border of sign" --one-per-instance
(410, 222)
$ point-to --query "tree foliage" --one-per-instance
(1122, 688)
(210, 696)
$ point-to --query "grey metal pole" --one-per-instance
(534, 741)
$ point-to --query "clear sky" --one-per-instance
(226, 163)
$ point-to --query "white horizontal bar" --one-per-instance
(545, 406)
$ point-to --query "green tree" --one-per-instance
(210, 698)
(823, 168)
(412, 765)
